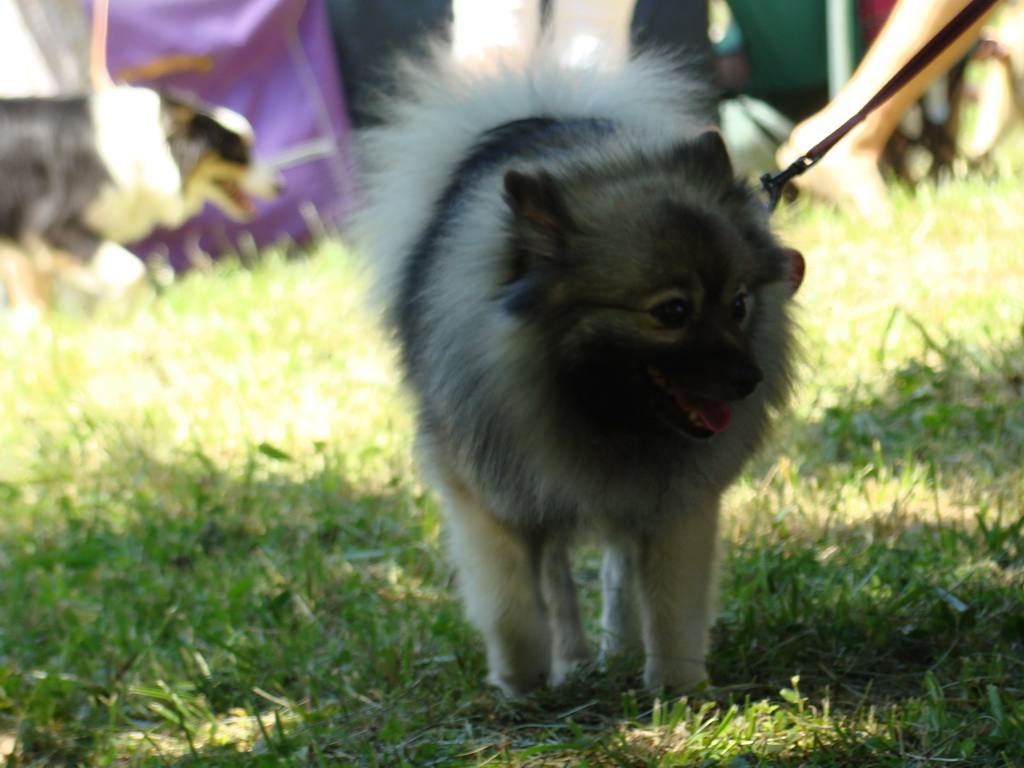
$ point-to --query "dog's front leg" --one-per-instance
(26, 285)
(499, 579)
(569, 643)
(677, 584)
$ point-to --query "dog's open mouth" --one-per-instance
(237, 196)
(702, 417)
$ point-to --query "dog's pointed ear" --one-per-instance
(706, 151)
(542, 223)
(537, 201)
(176, 115)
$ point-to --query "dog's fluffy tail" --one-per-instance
(442, 108)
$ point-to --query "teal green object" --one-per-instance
(785, 44)
(732, 41)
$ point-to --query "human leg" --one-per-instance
(849, 174)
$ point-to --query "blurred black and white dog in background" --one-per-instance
(596, 323)
(81, 175)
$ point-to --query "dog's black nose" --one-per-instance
(745, 378)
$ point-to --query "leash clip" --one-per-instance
(773, 184)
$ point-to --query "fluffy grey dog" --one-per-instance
(595, 321)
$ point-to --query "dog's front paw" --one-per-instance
(517, 684)
(565, 669)
(677, 679)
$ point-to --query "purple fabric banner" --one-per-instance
(270, 60)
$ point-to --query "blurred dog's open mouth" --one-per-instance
(237, 196)
(702, 417)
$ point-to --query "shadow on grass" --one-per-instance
(191, 612)
(151, 603)
(955, 408)
(864, 613)
(865, 610)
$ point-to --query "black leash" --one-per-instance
(959, 24)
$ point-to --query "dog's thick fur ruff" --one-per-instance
(83, 175)
(594, 319)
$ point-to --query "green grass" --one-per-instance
(215, 551)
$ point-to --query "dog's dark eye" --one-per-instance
(672, 314)
(739, 307)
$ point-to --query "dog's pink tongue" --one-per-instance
(713, 414)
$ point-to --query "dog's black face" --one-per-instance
(671, 360)
(646, 290)
(643, 385)
(213, 147)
